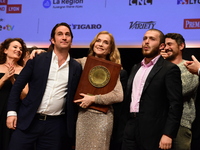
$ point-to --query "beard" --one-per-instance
(172, 57)
(151, 53)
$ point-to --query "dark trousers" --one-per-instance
(131, 134)
(47, 134)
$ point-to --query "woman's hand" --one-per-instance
(86, 101)
(36, 51)
(9, 74)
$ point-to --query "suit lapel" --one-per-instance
(46, 66)
(71, 73)
(153, 72)
(132, 75)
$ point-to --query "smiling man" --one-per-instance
(46, 117)
(173, 51)
(154, 92)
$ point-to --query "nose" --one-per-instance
(100, 43)
(166, 47)
(146, 40)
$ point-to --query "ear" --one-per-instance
(5, 51)
(162, 46)
(53, 41)
(181, 47)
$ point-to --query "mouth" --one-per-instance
(99, 48)
(18, 54)
(145, 47)
(168, 50)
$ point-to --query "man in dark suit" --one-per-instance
(46, 118)
(154, 92)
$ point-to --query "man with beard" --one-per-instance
(154, 92)
(175, 44)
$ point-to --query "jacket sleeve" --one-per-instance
(174, 95)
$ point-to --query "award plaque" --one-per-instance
(98, 77)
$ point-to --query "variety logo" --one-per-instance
(140, 2)
(181, 2)
(86, 26)
(7, 27)
(142, 25)
(191, 23)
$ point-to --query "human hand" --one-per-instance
(86, 101)
(165, 142)
(9, 73)
(11, 122)
(193, 66)
(35, 52)
(163, 54)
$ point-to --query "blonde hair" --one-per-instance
(114, 54)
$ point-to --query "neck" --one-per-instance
(147, 60)
(11, 62)
(61, 54)
(177, 61)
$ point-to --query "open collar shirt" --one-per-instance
(54, 98)
(139, 82)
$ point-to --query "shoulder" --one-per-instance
(74, 62)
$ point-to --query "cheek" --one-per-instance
(107, 49)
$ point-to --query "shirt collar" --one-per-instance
(55, 58)
(152, 62)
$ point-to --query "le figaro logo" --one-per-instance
(140, 2)
(142, 25)
(183, 2)
(10, 8)
(63, 3)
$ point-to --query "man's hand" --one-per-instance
(165, 142)
(193, 66)
(164, 54)
(11, 122)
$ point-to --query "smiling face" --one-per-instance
(102, 46)
(172, 49)
(62, 38)
(14, 50)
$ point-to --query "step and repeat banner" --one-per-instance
(127, 20)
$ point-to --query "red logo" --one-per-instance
(3, 2)
(191, 23)
(14, 8)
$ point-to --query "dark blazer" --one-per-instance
(35, 73)
(161, 103)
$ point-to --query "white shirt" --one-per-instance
(53, 100)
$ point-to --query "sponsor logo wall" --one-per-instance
(127, 20)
